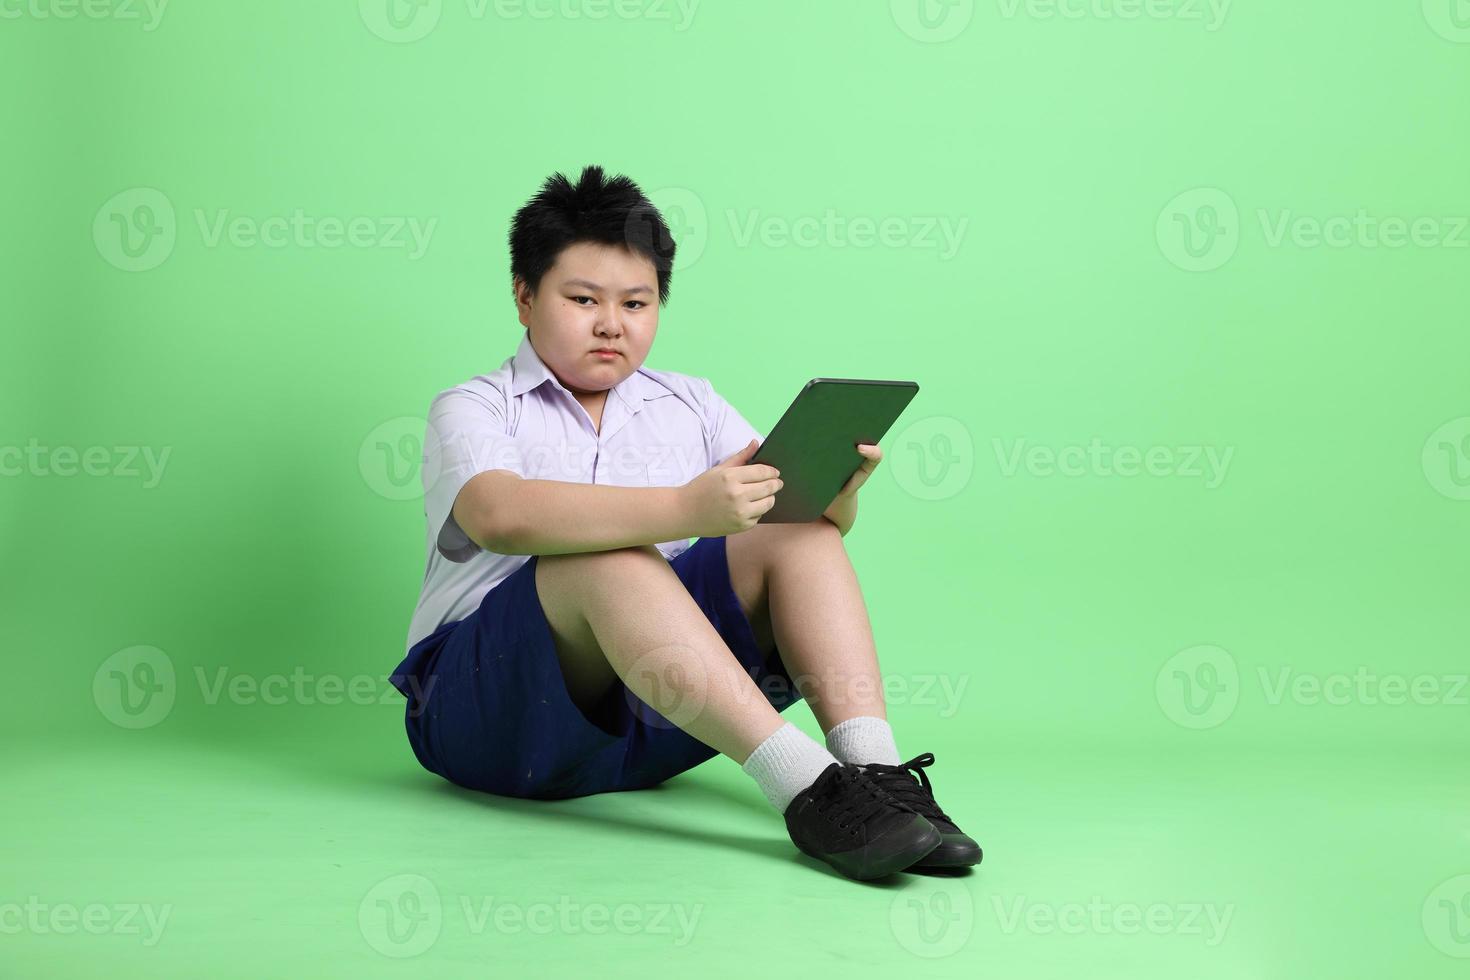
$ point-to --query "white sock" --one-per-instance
(787, 762)
(863, 740)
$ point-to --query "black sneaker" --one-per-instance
(956, 849)
(847, 821)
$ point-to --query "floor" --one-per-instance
(136, 855)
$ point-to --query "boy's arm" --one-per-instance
(552, 517)
(842, 512)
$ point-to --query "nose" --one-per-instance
(608, 325)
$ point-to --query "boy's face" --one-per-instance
(593, 296)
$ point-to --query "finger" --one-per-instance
(767, 488)
(740, 456)
(756, 472)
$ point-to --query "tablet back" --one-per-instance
(814, 444)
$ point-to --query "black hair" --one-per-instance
(608, 210)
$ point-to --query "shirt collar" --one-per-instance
(528, 371)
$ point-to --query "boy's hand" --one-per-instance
(872, 456)
(731, 496)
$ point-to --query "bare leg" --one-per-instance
(624, 613)
(798, 586)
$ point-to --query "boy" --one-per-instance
(568, 640)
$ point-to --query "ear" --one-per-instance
(522, 295)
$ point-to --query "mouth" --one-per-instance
(605, 352)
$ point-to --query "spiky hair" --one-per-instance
(607, 210)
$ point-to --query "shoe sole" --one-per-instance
(916, 840)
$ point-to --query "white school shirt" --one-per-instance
(659, 429)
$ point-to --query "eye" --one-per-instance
(575, 298)
(639, 302)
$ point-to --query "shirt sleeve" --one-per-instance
(728, 429)
(466, 435)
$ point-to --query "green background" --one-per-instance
(1073, 616)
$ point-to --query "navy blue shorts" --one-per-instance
(488, 709)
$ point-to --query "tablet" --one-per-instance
(814, 444)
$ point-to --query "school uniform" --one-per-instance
(486, 704)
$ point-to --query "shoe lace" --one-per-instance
(898, 782)
(855, 796)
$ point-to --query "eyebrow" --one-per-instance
(596, 288)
